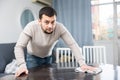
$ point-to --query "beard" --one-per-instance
(45, 31)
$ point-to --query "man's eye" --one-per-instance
(53, 22)
(47, 22)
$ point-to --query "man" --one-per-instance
(40, 36)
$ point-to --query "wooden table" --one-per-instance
(50, 72)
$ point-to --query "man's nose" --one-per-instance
(50, 25)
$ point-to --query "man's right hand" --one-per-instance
(21, 70)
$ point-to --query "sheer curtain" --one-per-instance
(76, 16)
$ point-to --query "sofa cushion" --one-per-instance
(6, 55)
(2, 64)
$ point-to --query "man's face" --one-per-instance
(48, 23)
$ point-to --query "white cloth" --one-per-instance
(11, 67)
(96, 71)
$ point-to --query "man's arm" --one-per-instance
(19, 48)
(69, 40)
(71, 43)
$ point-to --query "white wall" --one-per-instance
(10, 11)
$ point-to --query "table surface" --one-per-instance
(50, 72)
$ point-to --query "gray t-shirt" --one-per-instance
(41, 44)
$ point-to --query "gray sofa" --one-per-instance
(6, 55)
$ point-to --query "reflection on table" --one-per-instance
(50, 72)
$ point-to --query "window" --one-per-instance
(102, 22)
(102, 19)
(118, 21)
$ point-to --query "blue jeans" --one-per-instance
(34, 61)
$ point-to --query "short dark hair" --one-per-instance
(48, 11)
